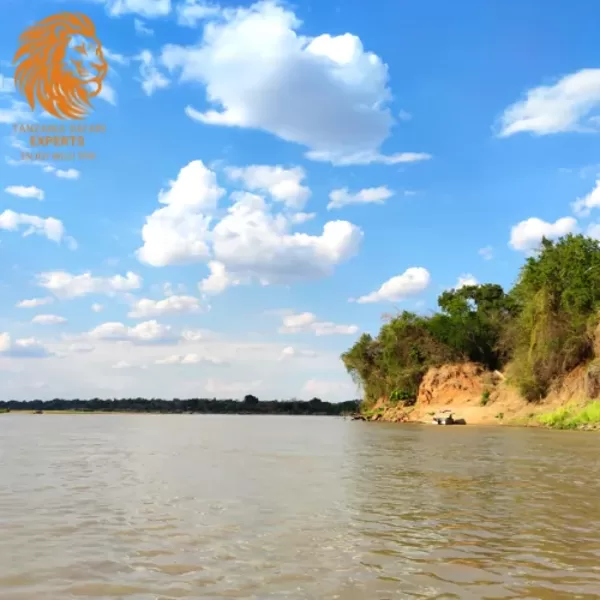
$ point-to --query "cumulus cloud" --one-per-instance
(97, 307)
(80, 348)
(571, 104)
(18, 112)
(48, 168)
(177, 233)
(465, 280)
(23, 191)
(342, 197)
(122, 364)
(583, 206)
(412, 282)
(62, 283)
(148, 332)
(191, 12)
(34, 302)
(67, 173)
(251, 242)
(145, 8)
(308, 322)
(218, 280)
(301, 217)
(51, 228)
(290, 352)
(145, 308)
(189, 359)
(326, 92)
(108, 93)
(115, 57)
(141, 28)
(527, 235)
(48, 320)
(21, 348)
(150, 76)
(284, 185)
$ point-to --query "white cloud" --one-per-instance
(249, 242)
(19, 112)
(290, 352)
(122, 364)
(325, 389)
(51, 228)
(367, 158)
(34, 302)
(218, 280)
(307, 322)
(141, 28)
(583, 206)
(188, 359)
(80, 348)
(7, 85)
(21, 348)
(145, 308)
(145, 8)
(565, 106)
(404, 115)
(342, 197)
(148, 332)
(108, 93)
(284, 185)
(486, 253)
(593, 231)
(193, 335)
(527, 235)
(301, 217)
(412, 282)
(97, 308)
(67, 173)
(191, 12)
(176, 234)
(48, 320)
(115, 57)
(67, 285)
(25, 191)
(150, 77)
(326, 92)
(465, 280)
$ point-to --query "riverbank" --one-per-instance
(481, 397)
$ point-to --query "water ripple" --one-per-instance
(148, 507)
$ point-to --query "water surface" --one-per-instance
(147, 507)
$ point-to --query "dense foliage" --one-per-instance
(541, 329)
(250, 405)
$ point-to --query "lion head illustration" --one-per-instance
(60, 65)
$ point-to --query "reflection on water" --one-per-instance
(178, 506)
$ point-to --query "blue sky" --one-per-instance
(275, 177)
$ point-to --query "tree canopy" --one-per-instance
(542, 328)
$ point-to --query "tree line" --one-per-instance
(249, 405)
(539, 330)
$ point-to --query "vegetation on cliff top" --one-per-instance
(541, 329)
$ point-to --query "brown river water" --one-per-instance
(149, 507)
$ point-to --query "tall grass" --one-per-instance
(572, 417)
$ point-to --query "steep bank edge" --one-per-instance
(480, 397)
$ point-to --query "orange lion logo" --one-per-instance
(60, 65)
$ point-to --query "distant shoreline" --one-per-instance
(250, 405)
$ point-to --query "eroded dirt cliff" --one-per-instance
(483, 397)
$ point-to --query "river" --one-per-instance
(149, 507)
